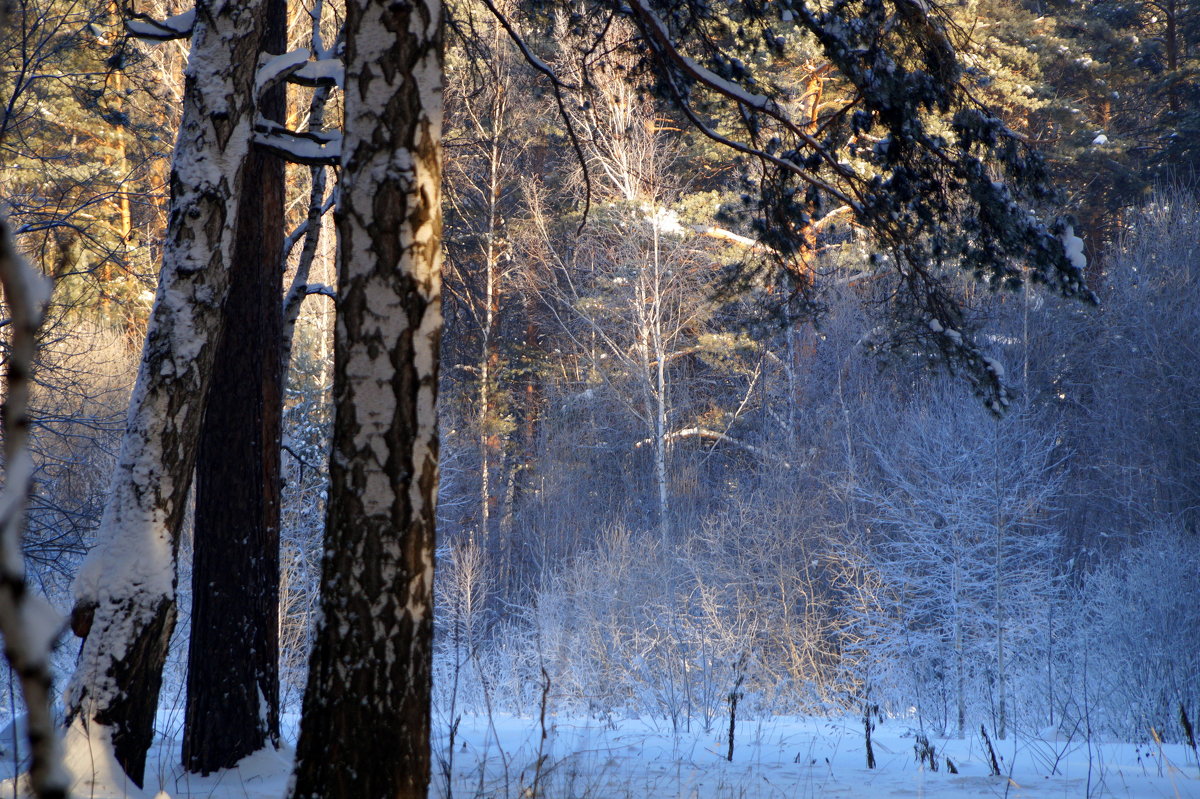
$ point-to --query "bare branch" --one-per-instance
(301, 230)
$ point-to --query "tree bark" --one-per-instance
(365, 729)
(125, 591)
(232, 707)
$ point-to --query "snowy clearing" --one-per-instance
(777, 757)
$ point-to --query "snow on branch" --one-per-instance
(322, 289)
(704, 434)
(149, 29)
(274, 69)
(722, 234)
(321, 72)
(313, 148)
(297, 67)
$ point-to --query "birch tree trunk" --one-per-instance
(660, 398)
(998, 576)
(232, 707)
(365, 729)
(29, 624)
(489, 356)
(125, 591)
(960, 666)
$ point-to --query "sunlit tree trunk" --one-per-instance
(489, 356)
(659, 349)
(366, 725)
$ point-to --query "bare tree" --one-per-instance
(634, 292)
(963, 544)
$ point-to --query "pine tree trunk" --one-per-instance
(365, 729)
(125, 591)
(232, 705)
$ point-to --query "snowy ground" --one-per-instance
(783, 757)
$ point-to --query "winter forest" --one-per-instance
(600, 398)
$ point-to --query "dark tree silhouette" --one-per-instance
(233, 700)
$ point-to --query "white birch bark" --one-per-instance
(28, 623)
(661, 442)
(125, 591)
(366, 722)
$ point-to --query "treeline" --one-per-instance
(866, 533)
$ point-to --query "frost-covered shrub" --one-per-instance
(462, 589)
(959, 530)
(629, 627)
(1140, 634)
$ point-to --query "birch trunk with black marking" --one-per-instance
(125, 591)
(232, 707)
(29, 624)
(365, 729)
